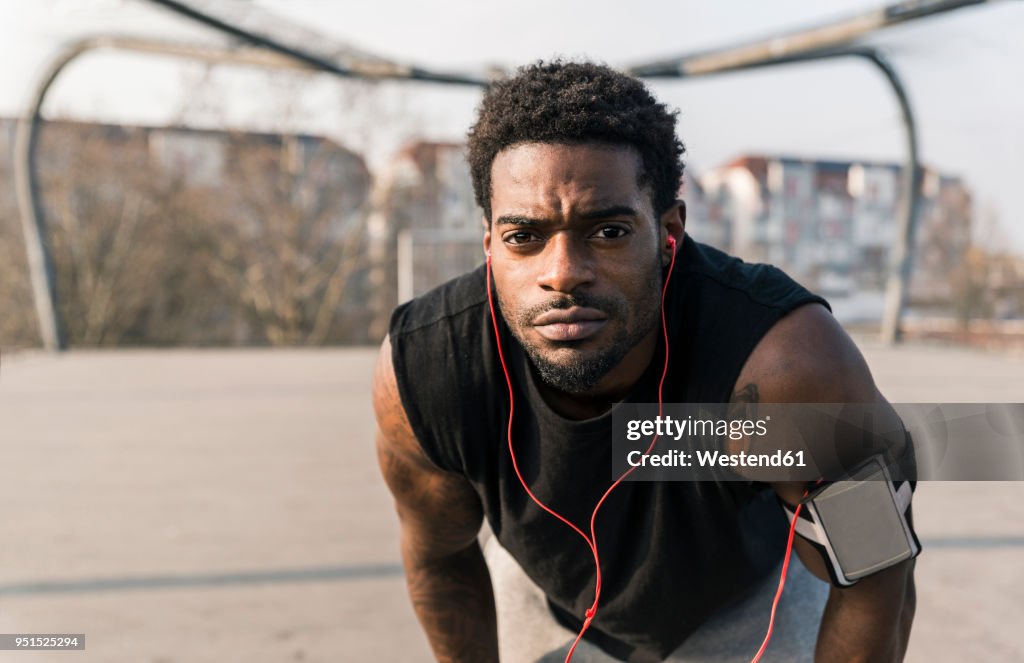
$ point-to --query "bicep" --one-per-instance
(808, 358)
(440, 513)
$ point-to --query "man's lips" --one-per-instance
(570, 324)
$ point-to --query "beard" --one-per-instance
(580, 371)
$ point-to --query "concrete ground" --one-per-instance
(224, 505)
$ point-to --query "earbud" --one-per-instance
(672, 243)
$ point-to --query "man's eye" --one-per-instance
(611, 232)
(521, 237)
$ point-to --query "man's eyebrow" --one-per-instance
(517, 220)
(589, 215)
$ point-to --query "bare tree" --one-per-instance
(291, 235)
(184, 236)
(120, 249)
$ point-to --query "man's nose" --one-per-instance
(566, 265)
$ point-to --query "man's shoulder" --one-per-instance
(807, 357)
(439, 347)
(462, 296)
(761, 283)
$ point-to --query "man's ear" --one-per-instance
(487, 236)
(672, 224)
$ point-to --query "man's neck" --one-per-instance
(612, 388)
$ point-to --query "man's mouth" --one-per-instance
(570, 324)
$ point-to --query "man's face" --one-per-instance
(576, 254)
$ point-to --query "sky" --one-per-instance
(963, 70)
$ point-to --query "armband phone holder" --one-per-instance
(859, 524)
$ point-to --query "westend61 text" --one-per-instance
(677, 458)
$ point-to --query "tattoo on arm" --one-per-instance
(742, 405)
(743, 401)
(747, 394)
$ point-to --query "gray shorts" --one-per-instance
(528, 633)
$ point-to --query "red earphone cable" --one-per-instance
(592, 539)
(511, 411)
(782, 583)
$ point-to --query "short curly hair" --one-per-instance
(573, 103)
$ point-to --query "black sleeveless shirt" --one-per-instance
(672, 553)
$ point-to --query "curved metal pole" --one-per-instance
(36, 240)
(358, 69)
(33, 224)
(901, 257)
(37, 247)
(798, 44)
(901, 260)
(40, 259)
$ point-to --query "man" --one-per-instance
(576, 168)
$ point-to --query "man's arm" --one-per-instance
(440, 517)
(808, 358)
